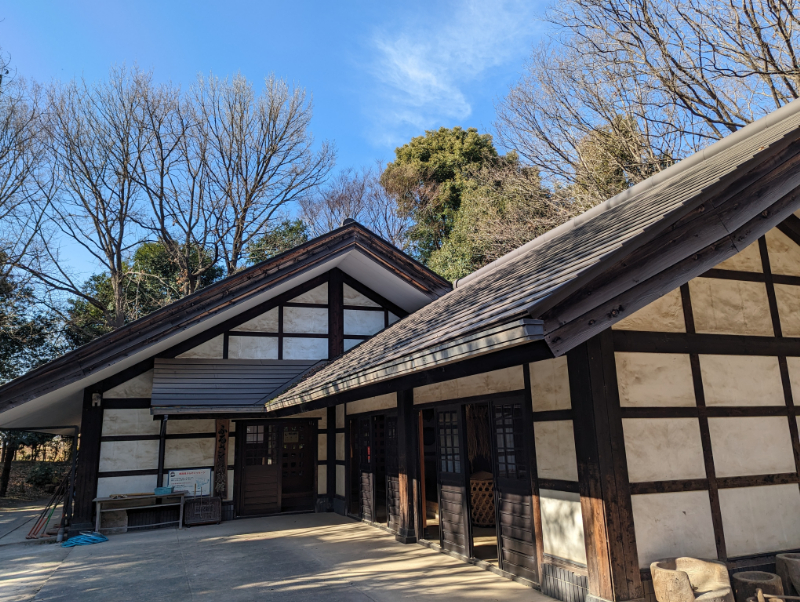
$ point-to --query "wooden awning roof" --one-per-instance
(197, 385)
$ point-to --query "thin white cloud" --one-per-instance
(422, 73)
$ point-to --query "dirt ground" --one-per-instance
(20, 492)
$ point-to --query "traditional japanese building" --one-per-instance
(614, 392)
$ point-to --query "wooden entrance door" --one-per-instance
(451, 462)
(298, 447)
(392, 478)
(260, 487)
(513, 495)
(366, 470)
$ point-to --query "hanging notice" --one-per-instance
(196, 481)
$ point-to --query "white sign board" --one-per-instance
(196, 481)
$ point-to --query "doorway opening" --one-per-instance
(481, 483)
(428, 481)
(379, 428)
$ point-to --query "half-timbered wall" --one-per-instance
(707, 376)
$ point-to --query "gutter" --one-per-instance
(493, 339)
(673, 171)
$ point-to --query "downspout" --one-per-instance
(161, 447)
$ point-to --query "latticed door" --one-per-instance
(513, 495)
(366, 467)
(260, 488)
(451, 461)
(392, 480)
(297, 466)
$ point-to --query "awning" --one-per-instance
(204, 385)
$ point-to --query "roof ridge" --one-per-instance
(653, 181)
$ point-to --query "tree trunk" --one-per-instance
(10, 452)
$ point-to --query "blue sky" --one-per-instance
(380, 73)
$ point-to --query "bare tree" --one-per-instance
(260, 156)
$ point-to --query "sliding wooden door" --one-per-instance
(452, 469)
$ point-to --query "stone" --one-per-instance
(788, 569)
(689, 579)
(746, 583)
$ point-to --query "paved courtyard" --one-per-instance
(297, 557)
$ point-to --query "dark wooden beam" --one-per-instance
(712, 344)
(88, 461)
(330, 471)
(335, 313)
(407, 445)
(791, 228)
(162, 446)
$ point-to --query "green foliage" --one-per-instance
(428, 178)
(286, 235)
(41, 475)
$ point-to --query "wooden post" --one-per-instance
(407, 444)
(331, 453)
(88, 459)
(335, 314)
(222, 428)
(611, 555)
(162, 440)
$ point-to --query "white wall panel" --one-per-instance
(295, 348)
(550, 385)
(175, 427)
(353, 297)
(730, 307)
(748, 260)
(364, 323)
(128, 455)
(663, 449)
(129, 422)
(654, 379)
(562, 525)
(788, 301)
(340, 485)
(340, 416)
(322, 480)
(322, 446)
(211, 349)
(673, 524)
(784, 254)
(751, 446)
(188, 453)
(371, 404)
(340, 452)
(555, 450)
(315, 295)
(350, 343)
(760, 519)
(138, 386)
(497, 381)
(738, 380)
(308, 320)
(107, 486)
(266, 322)
(662, 315)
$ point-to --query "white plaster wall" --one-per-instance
(231, 451)
(353, 297)
(175, 427)
(730, 307)
(793, 364)
(128, 455)
(668, 525)
(322, 414)
(230, 485)
(129, 422)
(550, 385)
(266, 322)
(322, 446)
(748, 260)
(210, 349)
(788, 301)
(315, 295)
(340, 454)
(784, 254)
(253, 348)
(322, 480)
(751, 446)
(760, 519)
(350, 343)
(304, 349)
(381, 402)
(497, 381)
(310, 320)
(340, 416)
(654, 379)
(188, 453)
(107, 486)
(663, 449)
(562, 525)
(555, 450)
(362, 322)
(138, 386)
(340, 490)
(662, 315)
(737, 380)
(392, 318)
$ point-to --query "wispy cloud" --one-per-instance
(423, 73)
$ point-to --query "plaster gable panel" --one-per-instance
(175, 427)
(668, 525)
(128, 455)
(350, 343)
(138, 386)
(188, 453)
(760, 519)
(392, 318)
(309, 320)
(562, 525)
(295, 348)
(381, 402)
(748, 260)
(663, 449)
(129, 422)
(738, 380)
(211, 349)
(665, 314)
(363, 322)
(315, 295)
(751, 446)
(784, 254)
(107, 486)
(353, 297)
(322, 480)
(555, 450)
(730, 307)
(654, 380)
(266, 322)
(253, 348)
(550, 385)
(788, 301)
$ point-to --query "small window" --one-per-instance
(508, 423)
(449, 444)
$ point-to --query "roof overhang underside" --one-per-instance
(199, 386)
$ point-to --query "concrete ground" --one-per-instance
(17, 519)
(291, 558)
